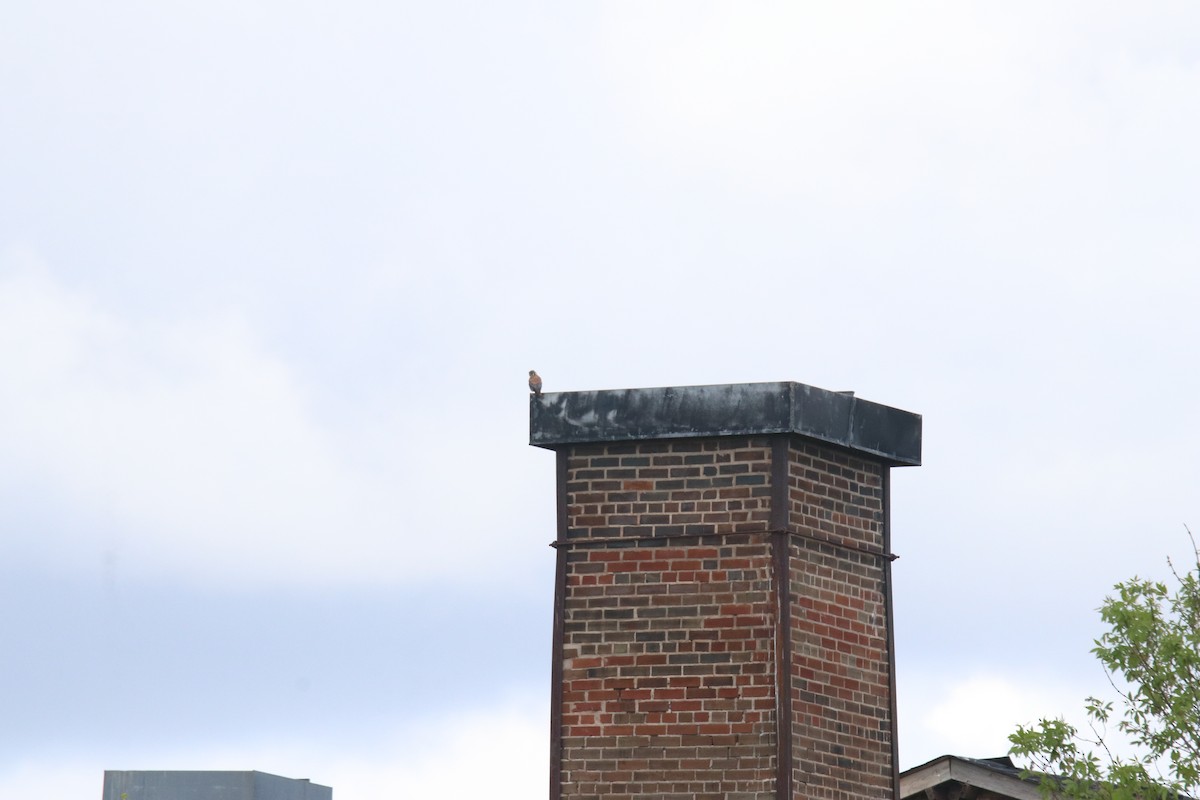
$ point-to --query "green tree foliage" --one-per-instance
(1151, 652)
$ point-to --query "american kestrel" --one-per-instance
(535, 383)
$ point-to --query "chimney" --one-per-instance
(722, 601)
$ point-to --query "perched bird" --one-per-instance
(535, 383)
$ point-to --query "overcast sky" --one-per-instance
(272, 275)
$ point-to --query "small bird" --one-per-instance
(535, 383)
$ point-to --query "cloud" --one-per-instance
(52, 776)
(188, 447)
(507, 750)
(973, 715)
(505, 746)
(778, 95)
(876, 103)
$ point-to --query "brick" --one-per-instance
(669, 622)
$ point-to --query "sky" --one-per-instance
(272, 276)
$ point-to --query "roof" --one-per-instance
(996, 776)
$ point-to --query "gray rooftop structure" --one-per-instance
(206, 785)
(615, 415)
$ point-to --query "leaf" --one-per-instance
(1151, 654)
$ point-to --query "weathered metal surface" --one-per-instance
(614, 415)
(208, 785)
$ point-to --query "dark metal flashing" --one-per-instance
(618, 415)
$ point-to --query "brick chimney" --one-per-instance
(722, 603)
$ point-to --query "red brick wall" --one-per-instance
(841, 701)
(667, 488)
(668, 679)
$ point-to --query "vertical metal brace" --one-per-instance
(781, 566)
(562, 455)
(886, 487)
